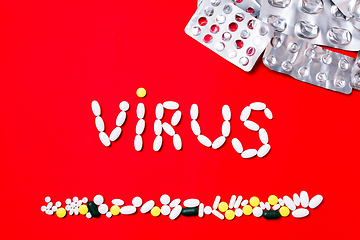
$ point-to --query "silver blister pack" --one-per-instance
(355, 75)
(309, 63)
(351, 9)
(250, 6)
(230, 32)
(317, 21)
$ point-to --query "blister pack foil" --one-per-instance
(355, 75)
(250, 6)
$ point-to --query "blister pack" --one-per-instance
(317, 21)
(250, 6)
(351, 9)
(309, 63)
(355, 75)
(230, 32)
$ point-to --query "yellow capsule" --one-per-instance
(141, 92)
(155, 211)
(61, 212)
(223, 206)
(254, 201)
(229, 214)
(247, 210)
(273, 200)
(284, 211)
(115, 210)
(83, 209)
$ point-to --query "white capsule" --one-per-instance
(238, 212)
(232, 201)
(267, 206)
(251, 125)
(168, 129)
(237, 145)
(207, 210)
(159, 111)
(127, 210)
(104, 139)
(171, 105)
(95, 107)
(54, 208)
(99, 123)
(218, 142)
(216, 202)
(257, 212)
(98, 199)
(225, 128)
(103, 208)
(300, 213)
(88, 215)
(194, 111)
(262, 205)
(147, 206)
(177, 142)
(176, 118)
(281, 202)
(259, 106)
(108, 214)
(238, 202)
(165, 210)
(157, 143)
(289, 203)
(195, 127)
(49, 212)
(117, 202)
(245, 114)
(165, 199)
(157, 127)
(268, 113)
(140, 110)
(263, 150)
(204, 140)
(218, 214)
(304, 199)
(85, 200)
(296, 199)
(201, 210)
(276, 207)
(124, 106)
(315, 201)
(115, 134)
(226, 113)
(245, 202)
(68, 201)
(249, 153)
(175, 202)
(137, 201)
(264, 138)
(192, 202)
(175, 212)
(48, 199)
(140, 126)
(120, 119)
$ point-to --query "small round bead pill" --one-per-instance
(254, 201)
(155, 211)
(229, 215)
(223, 207)
(88, 215)
(124, 106)
(141, 92)
(165, 210)
(247, 210)
(54, 208)
(48, 199)
(75, 199)
(273, 200)
(165, 199)
(137, 201)
(257, 212)
(83, 209)
(98, 199)
(207, 210)
(238, 212)
(109, 214)
(61, 212)
(115, 210)
(85, 200)
(43, 208)
(68, 201)
(103, 209)
(284, 211)
(58, 204)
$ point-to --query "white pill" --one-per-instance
(165, 199)
(138, 143)
(72, 205)
(104, 139)
(99, 123)
(238, 202)
(296, 199)
(259, 106)
(267, 206)
(147, 206)
(195, 127)
(315, 201)
(157, 127)
(207, 210)
(281, 202)
(140, 110)
(67, 207)
(109, 214)
(54, 208)
(75, 199)
(95, 107)
(177, 142)
(68, 201)
(115, 134)
(140, 126)
(175, 212)
(48, 199)
(304, 199)
(168, 129)
(238, 212)
(157, 143)
(192, 202)
(98, 199)
(117, 202)
(171, 105)
(159, 111)
(194, 111)
(276, 207)
(245, 114)
(79, 203)
(262, 205)
(176, 118)
(71, 212)
(137, 201)
(300, 213)
(127, 210)
(268, 113)
(204, 140)
(84, 200)
(216, 202)
(289, 203)
(76, 211)
(226, 113)
(245, 202)
(165, 210)
(175, 202)
(218, 214)
(225, 128)
(49, 205)
(264, 138)
(218, 142)
(43, 208)
(49, 212)
(251, 125)
(263, 150)
(103, 209)
(124, 106)
(249, 153)
(88, 215)
(120, 119)
(201, 210)
(232, 201)
(237, 145)
(257, 212)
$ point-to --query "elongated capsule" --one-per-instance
(93, 209)
(193, 211)
(271, 214)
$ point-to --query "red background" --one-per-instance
(57, 57)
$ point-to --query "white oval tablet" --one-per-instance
(259, 106)
(157, 143)
(263, 150)
(121, 119)
(264, 138)
(49, 212)
(175, 202)
(99, 123)
(232, 201)
(251, 125)
(168, 129)
(165, 199)
(137, 201)
(225, 128)
(226, 113)
(195, 127)
(296, 199)
(300, 213)
(204, 140)
(194, 111)
(104, 139)
(245, 202)
(315, 201)
(95, 107)
(157, 127)
(115, 134)
(176, 118)
(238, 212)
(276, 207)
(192, 202)
(138, 143)
(237, 145)
(127, 210)
(103, 209)
(177, 142)
(268, 113)
(124, 106)
(238, 201)
(117, 202)
(175, 212)
(98, 199)
(218, 142)
(249, 153)
(289, 203)
(304, 199)
(159, 111)
(165, 210)
(281, 202)
(267, 206)
(257, 212)
(245, 114)
(140, 126)
(262, 205)
(216, 202)
(207, 210)
(201, 210)
(140, 110)
(147, 206)
(171, 105)
(76, 211)
(218, 214)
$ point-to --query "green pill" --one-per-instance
(271, 214)
(190, 211)
(93, 209)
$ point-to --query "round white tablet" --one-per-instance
(98, 199)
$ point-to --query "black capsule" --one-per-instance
(193, 211)
(271, 214)
(93, 209)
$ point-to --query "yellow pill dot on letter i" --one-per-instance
(247, 210)
(115, 210)
(141, 92)
(223, 207)
(61, 212)
(284, 211)
(254, 201)
(273, 200)
(83, 209)
(155, 211)
(229, 215)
